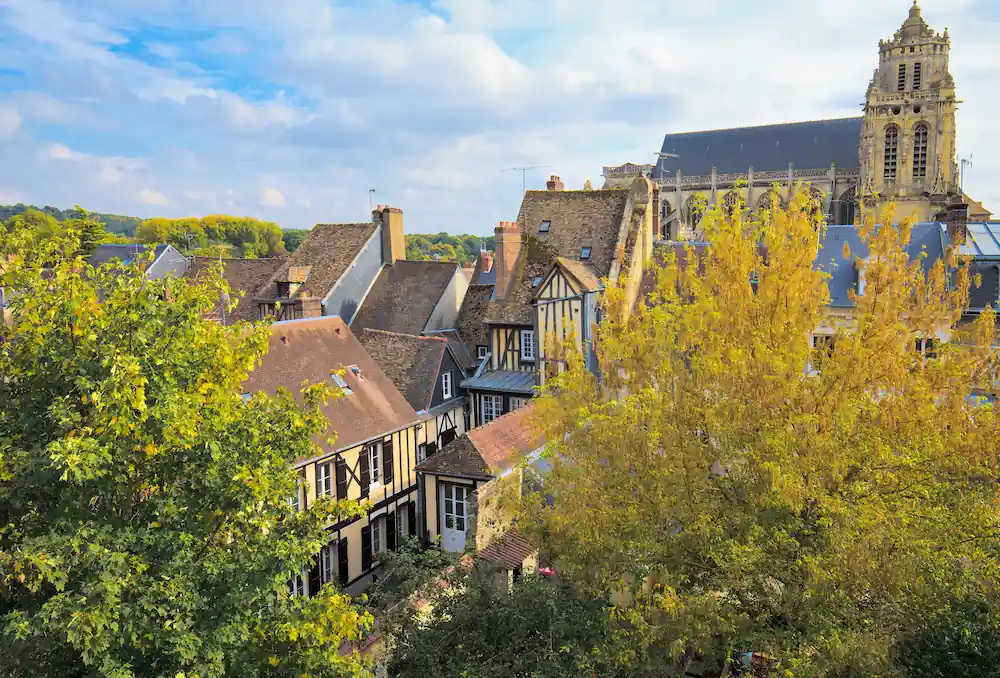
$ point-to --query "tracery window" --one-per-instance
(891, 152)
(920, 151)
(848, 206)
(695, 208)
(767, 202)
(730, 202)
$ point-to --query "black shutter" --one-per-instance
(447, 437)
(432, 449)
(366, 476)
(411, 508)
(342, 562)
(387, 462)
(341, 479)
(390, 531)
(366, 548)
(314, 581)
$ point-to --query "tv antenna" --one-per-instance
(966, 162)
(664, 156)
(371, 192)
(524, 171)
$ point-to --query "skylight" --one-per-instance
(537, 281)
(338, 379)
(544, 228)
(585, 253)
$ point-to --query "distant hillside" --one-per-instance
(445, 247)
(115, 223)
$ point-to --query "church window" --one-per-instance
(695, 209)
(848, 206)
(920, 151)
(891, 151)
(767, 203)
(901, 83)
(916, 75)
(729, 203)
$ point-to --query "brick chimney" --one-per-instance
(508, 246)
(486, 261)
(956, 216)
(393, 239)
(555, 183)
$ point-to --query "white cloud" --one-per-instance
(272, 197)
(63, 152)
(148, 196)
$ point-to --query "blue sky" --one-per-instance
(291, 110)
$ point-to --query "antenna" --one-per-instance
(966, 162)
(523, 171)
(371, 191)
(663, 156)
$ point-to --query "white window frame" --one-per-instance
(528, 345)
(378, 534)
(494, 410)
(295, 501)
(482, 352)
(421, 452)
(402, 523)
(374, 452)
(299, 585)
(518, 403)
(327, 569)
(324, 479)
(447, 385)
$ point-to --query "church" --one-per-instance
(902, 149)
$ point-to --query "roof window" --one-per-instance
(537, 281)
(544, 228)
(585, 253)
(338, 379)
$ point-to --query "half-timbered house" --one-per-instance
(464, 490)
(550, 270)
(374, 454)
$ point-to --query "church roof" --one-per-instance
(806, 145)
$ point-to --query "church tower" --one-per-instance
(907, 148)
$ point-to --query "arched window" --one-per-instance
(730, 202)
(816, 201)
(920, 151)
(848, 206)
(694, 209)
(667, 217)
(766, 203)
(891, 152)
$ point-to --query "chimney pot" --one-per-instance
(555, 183)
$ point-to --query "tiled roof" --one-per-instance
(328, 250)
(310, 350)
(245, 276)
(503, 381)
(577, 219)
(585, 273)
(404, 296)
(126, 253)
(976, 209)
(806, 145)
(459, 458)
(505, 439)
(507, 550)
(463, 354)
(411, 362)
(471, 323)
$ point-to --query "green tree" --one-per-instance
(293, 237)
(739, 499)
(145, 527)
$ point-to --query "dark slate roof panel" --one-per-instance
(768, 148)
(126, 253)
(503, 381)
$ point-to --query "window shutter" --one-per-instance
(366, 476)
(342, 562)
(411, 509)
(314, 579)
(341, 479)
(366, 548)
(390, 531)
(387, 462)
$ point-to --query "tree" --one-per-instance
(145, 526)
(740, 499)
(293, 237)
(477, 627)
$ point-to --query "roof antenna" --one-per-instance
(523, 171)
(966, 162)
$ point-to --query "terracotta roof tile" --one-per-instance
(458, 458)
(508, 550)
(577, 219)
(502, 441)
(310, 350)
(328, 250)
(245, 276)
(404, 296)
(411, 362)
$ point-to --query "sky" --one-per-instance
(293, 110)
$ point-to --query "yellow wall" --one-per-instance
(559, 318)
(504, 359)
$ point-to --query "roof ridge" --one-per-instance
(522, 410)
(772, 124)
(387, 333)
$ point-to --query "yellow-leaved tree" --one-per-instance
(736, 490)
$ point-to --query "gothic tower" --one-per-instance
(907, 144)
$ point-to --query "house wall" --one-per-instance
(346, 295)
(451, 419)
(445, 315)
(476, 403)
(559, 317)
(170, 263)
(448, 364)
(505, 347)
(431, 498)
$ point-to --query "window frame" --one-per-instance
(327, 568)
(374, 452)
(447, 385)
(890, 147)
(585, 253)
(544, 226)
(329, 479)
(482, 352)
(537, 282)
(496, 407)
(377, 526)
(520, 402)
(921, 141)
(299, 585)
(528, 356)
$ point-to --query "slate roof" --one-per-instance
(411, 362)
(126, 253)
(328, 249)
(508, 550)
(929, 238)
(481, 277)
(503, 381)
(458, 458)
(463, 356)
(806, 145)
(245, 276)
(471, 322)
(983, 241)
(577, 219)
(404, 296)
(988, 292)
(309, 350)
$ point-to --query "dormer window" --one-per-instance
(537, 281)
(338, 379)
(585, 253)
(544, 228)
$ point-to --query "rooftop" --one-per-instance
(471, 322)
(404, 296)
(503, 381)
(126, 253)
(244, 276)
(411, 362)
